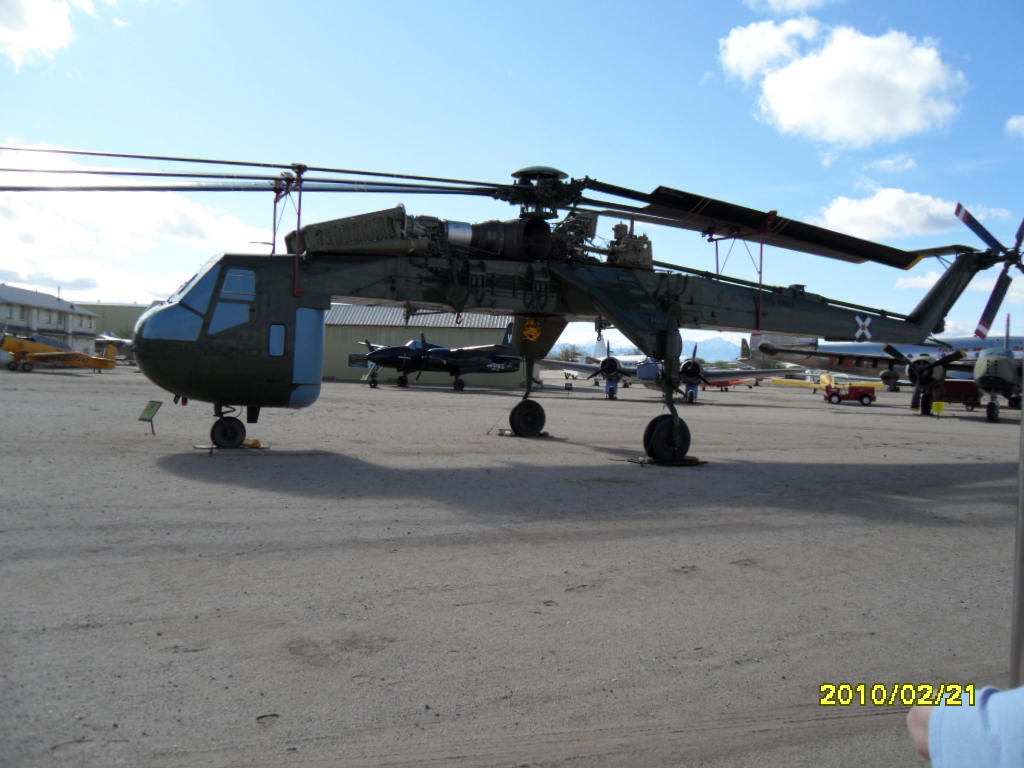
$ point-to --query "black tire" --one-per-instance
(865, 399)
(403, 381)
(835, 399)
(968, 407)
(992, 411)
(527, 418)
(926, 404)
(27, 367)
(691, 397)
(373, 383)
(227, 432)
(12, 366)
(651, 426)
(661, 447)
(459, 385)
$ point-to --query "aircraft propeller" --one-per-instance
(1003, 281)
(922, 371)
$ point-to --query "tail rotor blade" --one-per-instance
(977, 228)
(994, 301)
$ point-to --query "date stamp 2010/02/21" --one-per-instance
(895, 694)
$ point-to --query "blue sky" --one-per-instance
(873, 118)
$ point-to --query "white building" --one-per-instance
(27, 312)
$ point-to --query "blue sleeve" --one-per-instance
(989, 734)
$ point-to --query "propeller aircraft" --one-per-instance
(247, 330)
(29, 351)
(418, 355)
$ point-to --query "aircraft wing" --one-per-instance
(587, 368)
(836, 361)
(743, 374)
(60, 358)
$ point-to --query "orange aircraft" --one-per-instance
(27, 352)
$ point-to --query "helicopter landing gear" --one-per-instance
(227, 432)
(992, 411)
(459, 385)
(527, 418)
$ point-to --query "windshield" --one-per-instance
(176, 296)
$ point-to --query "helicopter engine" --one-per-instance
(526, 239)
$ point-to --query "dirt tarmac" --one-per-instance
(392, 583)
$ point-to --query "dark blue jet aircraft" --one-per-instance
(418, 356)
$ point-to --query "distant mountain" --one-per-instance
(713, 349)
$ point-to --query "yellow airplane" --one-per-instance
(27, 352)
(825, 379)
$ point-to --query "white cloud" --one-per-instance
(851, 90)
(1015, 126)
(748, 52)
(115, 246)
(919, 282)
(887, 214)
(896, 164)
(33, 29)
(784, 7)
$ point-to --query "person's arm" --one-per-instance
(918, 720)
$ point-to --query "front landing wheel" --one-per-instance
(227, 432)
(527, 418)
(662, 447)
(649, 432)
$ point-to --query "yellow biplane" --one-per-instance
(28, 351)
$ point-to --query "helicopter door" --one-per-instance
(309, 357)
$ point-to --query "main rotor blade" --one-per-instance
(254, 186)
(977, 228)
(291, 166)
(718, 219)
(994, 301)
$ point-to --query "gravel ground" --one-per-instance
(390, 582)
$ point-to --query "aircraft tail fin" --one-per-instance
(110, 353)
(507, 339)
(744, 350)
(600, 349)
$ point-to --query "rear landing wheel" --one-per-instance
(527, 418)
(403, 381)
(459, 385)
(12, 366)
(26, 367)
(227, 432)
(372, 383)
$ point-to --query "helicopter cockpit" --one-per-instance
(181, 317)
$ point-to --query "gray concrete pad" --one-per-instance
(392, 583)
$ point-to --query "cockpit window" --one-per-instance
(239, 285)
(414, 344)
(199, 289)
